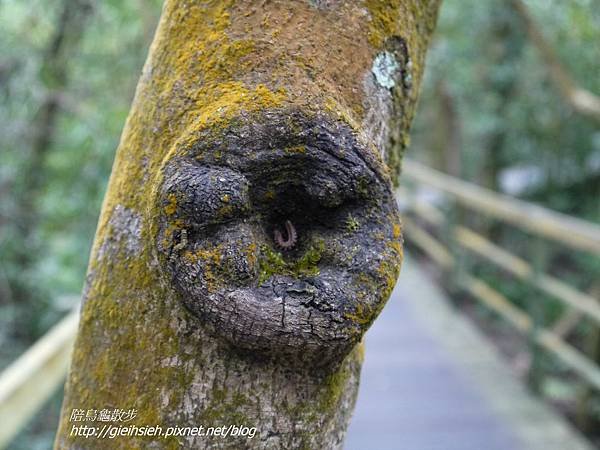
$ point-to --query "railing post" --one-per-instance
(453, 277)
(537, 312)
(592, 347)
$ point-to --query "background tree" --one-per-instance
(250, 118)
(41, 271)
(53, 73)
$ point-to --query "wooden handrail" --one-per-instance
(562, 228)
(575, 233)
(553, 343)
(31, 379)
(478, 244)
(568, 354)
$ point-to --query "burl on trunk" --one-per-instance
(249, 235)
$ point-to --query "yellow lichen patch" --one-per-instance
(384, 20)
(362, 315)
(206, 256)
(167, 240)
(396, 243)
(296, 149)
(397, 231)
(234, 98)
(344, 114)
(396, 246)
(171, 207)
(211, 261)
(388, 272)
(225, 211)
(251, 254)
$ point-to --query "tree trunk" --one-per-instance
(249, 235)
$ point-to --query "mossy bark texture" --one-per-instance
(249, 235)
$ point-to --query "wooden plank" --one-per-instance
(537, 426)
(570, 231)
(31, 379)
(410, 386)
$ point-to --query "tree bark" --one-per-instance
(249, 235)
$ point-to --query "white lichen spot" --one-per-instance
(164, 397)
(385, 69)
(170, 361)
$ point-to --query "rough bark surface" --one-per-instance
(254, 124)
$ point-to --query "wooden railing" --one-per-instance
(27, 383)
(34, 377)
(438, 232)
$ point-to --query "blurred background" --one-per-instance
(507, 105)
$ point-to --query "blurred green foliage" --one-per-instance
(500, 85)
(44, 249)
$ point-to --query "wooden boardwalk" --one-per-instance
(431, 381)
